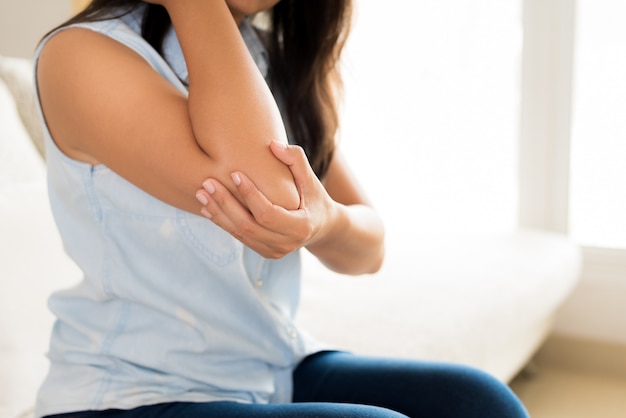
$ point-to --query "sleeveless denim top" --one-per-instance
(171, 307)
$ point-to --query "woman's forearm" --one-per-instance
(355, 245)
(232, 111)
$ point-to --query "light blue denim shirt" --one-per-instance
(171, 307)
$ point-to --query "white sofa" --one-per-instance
(484, 300)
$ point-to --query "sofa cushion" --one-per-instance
(17, 74)
(33, 263)
(487, 300)
(19, 160)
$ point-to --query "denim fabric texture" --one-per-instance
(343, 385)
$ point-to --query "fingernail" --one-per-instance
(202, 198)
(236, 179)
(206, 213)
(209, 187)
(280, 144)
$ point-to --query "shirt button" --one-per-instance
(259, 283)
(293, 333)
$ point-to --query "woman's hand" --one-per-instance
(269, 229)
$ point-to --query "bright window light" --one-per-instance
(598, 175)
(430, 120)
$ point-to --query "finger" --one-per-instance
(211, 208)
(264, 245)
(287, 228)
(229, 214)
(203, 197)
(288, 154)
(264, 211)
(226, 202)
(223, 208)
(294, 157)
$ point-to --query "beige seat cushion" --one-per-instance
(17, 74)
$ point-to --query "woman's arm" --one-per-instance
(228, 98)
(356, 243)
(334, 222)
(104, 104)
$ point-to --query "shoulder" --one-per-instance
(94, 38)
(88, 38)
(85, 80)
(91, 48)
(81, 57)
(75, 41)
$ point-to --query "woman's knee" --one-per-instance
(289, 410)
(481, 394)
(416, 388)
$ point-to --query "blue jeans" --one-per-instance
(343, 385)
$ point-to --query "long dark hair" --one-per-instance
(305, 40)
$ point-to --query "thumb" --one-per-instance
(284, 152)
(293, 156)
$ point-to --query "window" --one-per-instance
(561, 160)
(493, 114)
(432, 111)
(598, 171)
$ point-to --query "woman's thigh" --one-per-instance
(240, 410)
(343, 385)
(414, 388)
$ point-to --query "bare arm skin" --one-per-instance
(356, 244)
(105, 105)
(334, 222)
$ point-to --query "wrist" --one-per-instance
(336, 226)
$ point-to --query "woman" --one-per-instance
(176, 192)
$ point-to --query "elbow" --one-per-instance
(377, 262)
(270, 176)
(377, 257)
(282, 191)
(279, 188)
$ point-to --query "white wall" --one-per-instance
(597, 308)
(23, 22)
(595, 311)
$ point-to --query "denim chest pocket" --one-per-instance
(113, 192)
(137, 209)
(215, 244)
